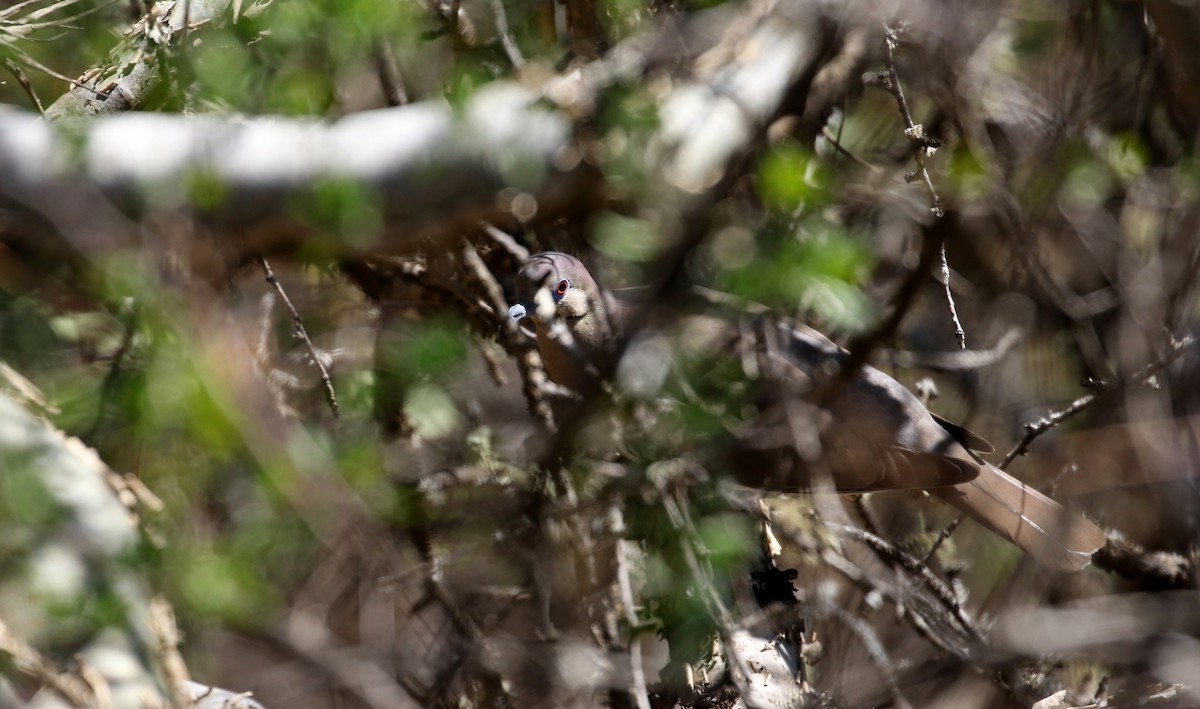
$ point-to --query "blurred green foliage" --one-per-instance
(433, 350)
(147, 392)
(170, 411)
(625, 238)
(790, 178)
(343, 209)
(802, 256)
(26, 508)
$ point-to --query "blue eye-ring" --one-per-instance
(561, 288)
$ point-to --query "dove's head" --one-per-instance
(556, 291)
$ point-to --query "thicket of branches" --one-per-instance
(265, 423)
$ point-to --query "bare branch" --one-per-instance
(23, 80)
(302, 333)
(959, 333)
(1037, 428)
(922, 145)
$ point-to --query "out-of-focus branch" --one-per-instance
(392, 82)
(95, 513)
(957, 361)
(313, 644)
(588, 39)
(29, 661)
(1152, 569)
(431, 173)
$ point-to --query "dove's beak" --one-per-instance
(518, 311)
(541, 307)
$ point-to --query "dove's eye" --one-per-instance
(561, 288)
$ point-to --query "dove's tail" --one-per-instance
(1053, 535)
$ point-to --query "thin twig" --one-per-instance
(35, 64)
(959, 333)
(942, 537)
(23, 80)
(922, 145)
(491, 287)
(868, 514)
(302, 333)
(867, 582)
(1037, 428)
(21, 28)
(836, 142)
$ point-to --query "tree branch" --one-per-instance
(130, 72)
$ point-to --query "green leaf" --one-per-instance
(789, 177)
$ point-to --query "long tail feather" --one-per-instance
(1055, 536)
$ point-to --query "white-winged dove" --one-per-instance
(877, 435)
